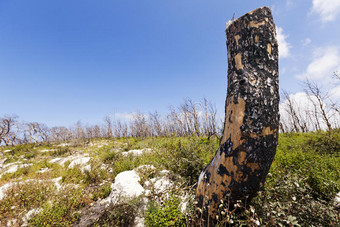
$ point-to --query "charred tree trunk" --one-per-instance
(250, 135)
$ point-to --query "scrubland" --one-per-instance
(53, 184)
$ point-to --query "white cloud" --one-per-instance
(124, 116)
(327, 9)
(289, 4)
(335, 93)
(284, 46)
(326, 61)
(304, 108)
(306, 41)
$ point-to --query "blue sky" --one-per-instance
(64, 61)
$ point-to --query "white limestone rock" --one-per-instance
(47, 150)
(136, 152)
(337, 200)
(159, 184)
(79, 161)
(4, 188)
(29, 215)
(56, 183)
(13, 167)
(2, 162)
(42, 170)
(62, 160)
(126, 185)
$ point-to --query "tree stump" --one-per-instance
(250, 135)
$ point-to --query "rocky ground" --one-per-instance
(86, 173)
(152, 182)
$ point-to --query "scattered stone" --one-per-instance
(12, 222)
(164, 172)
(13, 167)
(136, 152)
(29, 215)
(56, 183)
(79, 162)
(10, 164)
(337, 201)
(62, 160)
(2, 162)
(42, 170)
(126, 185)
(158, 185)
(86, 168)
(4, 188)
(145, 168)
(47, 150)
(56, 160)
(184, 202)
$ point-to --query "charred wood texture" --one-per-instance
(250, 135)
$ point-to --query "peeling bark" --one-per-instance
(250, 134)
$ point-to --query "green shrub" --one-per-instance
(110, 155)
(23, 197)
(60, 151)
(289, 199)
(186, 156)
(323, 143)
(62, 210)
(122, 214)
(320, 169)
(102, 192)
(169, 214)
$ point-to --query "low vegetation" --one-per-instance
(300, 188)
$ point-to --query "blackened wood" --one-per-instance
(250, 135)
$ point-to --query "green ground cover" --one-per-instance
(300, 188)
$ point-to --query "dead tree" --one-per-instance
(209, 118)
(108, 127)
(313, 90)
(250, 135)
(8, 129)
(156, 124)
(297, 122)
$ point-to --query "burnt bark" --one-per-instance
(250, 134)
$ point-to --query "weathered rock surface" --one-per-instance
(12, 167)
(126, 186)
(4, 188)
(136, 152)
(82, 163)
(337, 201)
(29, 215)
(79, 159)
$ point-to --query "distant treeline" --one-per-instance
(189, 119)
(312, 110)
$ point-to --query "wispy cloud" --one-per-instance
(303, 105)
(306, 41)
(289, 4)
(325, 62)
(327, 9)
(284, 46)
(335, 93)
(124, 116)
